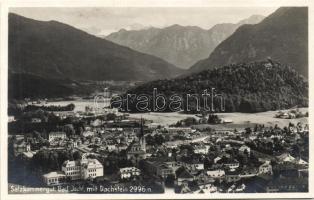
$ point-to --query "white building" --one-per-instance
(153, 125)
(54, 178)
(194, 165)
(216, 173)
(11, 118)
(72, 169)
(224, 120)
(128, 172)
(96, 122)
(232, 165)
(111, 147)
(285, 157)
(91, 168)
(36, 120)
(88, 133)
(201, 149)
(84, 169)
(300, 161)
(56, 135)
(265, 168)
(217, 159)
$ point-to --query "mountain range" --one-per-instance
(282, 36)
(56, 50)
(58, 56)
(180, 45)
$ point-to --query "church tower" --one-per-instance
(142, 136)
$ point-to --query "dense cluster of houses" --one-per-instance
(193, 161)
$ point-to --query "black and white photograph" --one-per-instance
(175, 100)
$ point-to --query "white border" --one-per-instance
(6, 4)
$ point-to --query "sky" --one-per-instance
(105, 20)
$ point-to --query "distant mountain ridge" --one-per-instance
(180, 45)
(59, 51)
(283, 36)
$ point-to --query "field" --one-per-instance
(240, 120)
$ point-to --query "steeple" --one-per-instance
(141, 129)
(142, 136)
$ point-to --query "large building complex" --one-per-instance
(75, 170)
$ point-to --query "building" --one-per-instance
(216, 173)
(157, 168)
(174, 165)
(173, 130)
(88, 133)
(201, 149)
(83, 169)
(232, 176)
(72, 169)
(301, 162)
(224, 120)
(136, 153)
(96, 123)
(164, 171)
(129, 172)
(56, 135)
(27, 155)
(54, 178)
(184, 177)
(248, 172)
(11, 118)
(285, 157)
(287, 185)
(265, 168)
(137, 150)
(193, 165)
(121, 147)
(111, 147)
(20, 147)
(36, 120)
(231, 164)
(91, 168)
(217, 159)
(244, 150)
(202, 178)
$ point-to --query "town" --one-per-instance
(53, 146)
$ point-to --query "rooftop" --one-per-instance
(54, 174)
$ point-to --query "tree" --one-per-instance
(207, 163)
(111, 116)
(169, 182)
(77, 155)
(159, 139)
(213, 119)
(190, 121)
(69, 129)
(248, 131)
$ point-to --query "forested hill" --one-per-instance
(22, 85)
(253, 87)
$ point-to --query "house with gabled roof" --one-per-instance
(184, 176)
